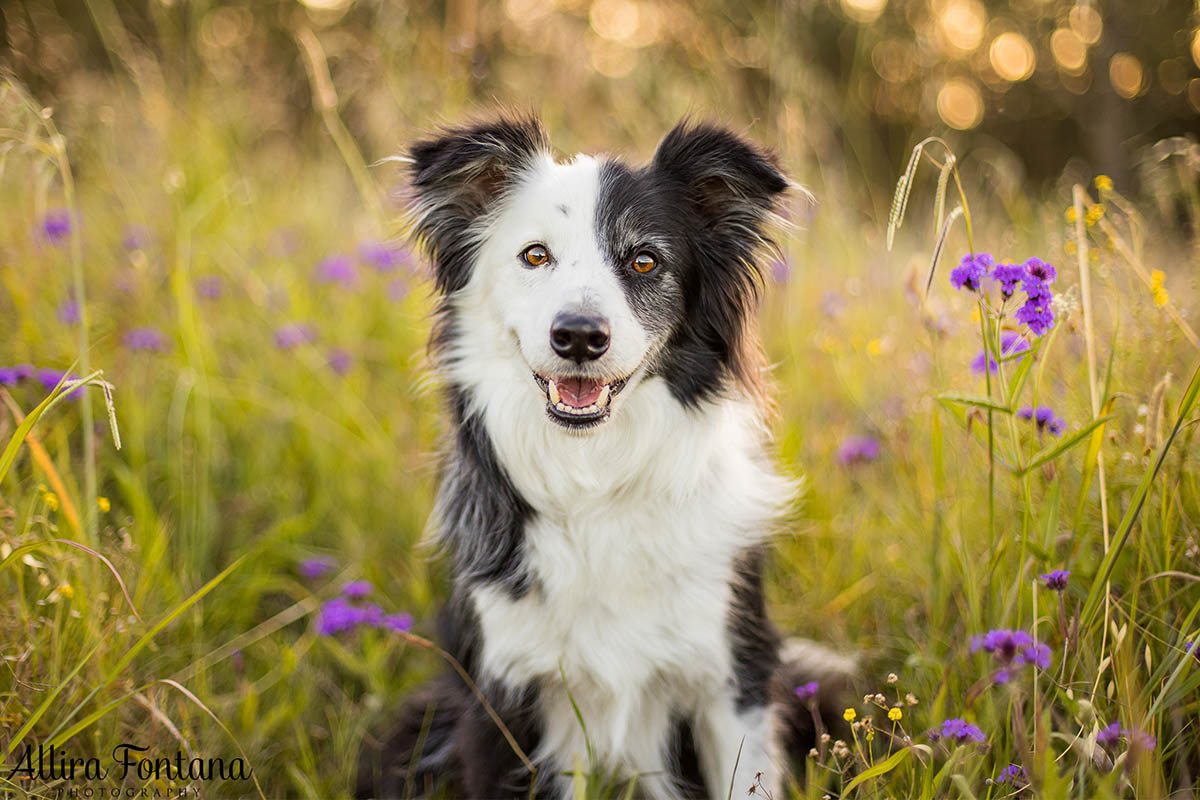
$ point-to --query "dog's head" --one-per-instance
(597, 275)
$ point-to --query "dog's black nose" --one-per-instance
(579, 337)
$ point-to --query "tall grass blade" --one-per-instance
(1138, 500)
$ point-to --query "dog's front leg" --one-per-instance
(737, 745)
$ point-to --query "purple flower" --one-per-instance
(400, 621)
(11, 376)
(147, 338)
(857, 449)
(316, 567)
(1110, 735)
(1011, 343)
(340, 614)
(957, 731)
(49, 378)
(1036, 312)
(1040, 270)
(1008, 276)
(357, 589)
(1056, 580)
(971, 271)
(135, 237)
(384, 257)
(339, 361)
(68, 312)
(1141, 740)
(294, 334)
(337, 616)
(1013, 650)
(781, 270)
(209, 287)
(56, 225)
(336, 269)
(1191, 647)
(807, 691)
(1014, 774)
(1045, 418)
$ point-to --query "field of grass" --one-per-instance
(262, 330)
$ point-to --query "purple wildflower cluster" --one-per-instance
(1011, 343)
(1045, 418)
(68, 312)
(47, 377)
(1056, 580)
(1111, 735)
(1034, 278)
(856, 449)
(294, 334)
(956, 731)
(1013, 774)
(336, 269)
(807, 691)
(56, 226)
(384, 257)
(317, 566)
(971, 271)
(145, 339)
(1013, 650)
(344, 613)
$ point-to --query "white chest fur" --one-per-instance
(632, 551)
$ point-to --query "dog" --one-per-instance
(607, 494)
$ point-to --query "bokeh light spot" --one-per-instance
(1012, 56)
(1070, 51)
(1196, 47)
(959, 104)
(863, 10)
(962, 23)
(1087, 23)
(1126, 74)
(615, 20)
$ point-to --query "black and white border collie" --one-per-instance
(608, 492)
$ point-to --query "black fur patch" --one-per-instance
(755, 642)
(481, 515)
(701, 209)
(460, 176)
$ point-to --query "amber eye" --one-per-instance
(644, 262)
(535, 255)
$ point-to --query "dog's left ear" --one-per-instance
(730, 181)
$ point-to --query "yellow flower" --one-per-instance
(875, 347)
(103, 504)
(1071, 214)
(1071, 247)
(1157, 277)
(51, 500)
(65, 590)
(895, 714)
(849, 715)
(1094, 214)
(1161, 298)
(1104, 183)
(870, 735)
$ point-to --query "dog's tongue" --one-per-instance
(579, 392)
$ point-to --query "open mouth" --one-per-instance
(578, 402)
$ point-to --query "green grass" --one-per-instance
(240, 459)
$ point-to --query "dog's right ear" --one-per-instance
(457, 177)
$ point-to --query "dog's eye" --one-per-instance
(535, 255)
(644, 262)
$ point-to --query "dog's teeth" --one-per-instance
(553, 392)
(602, 400)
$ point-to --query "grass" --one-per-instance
(240, 459)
